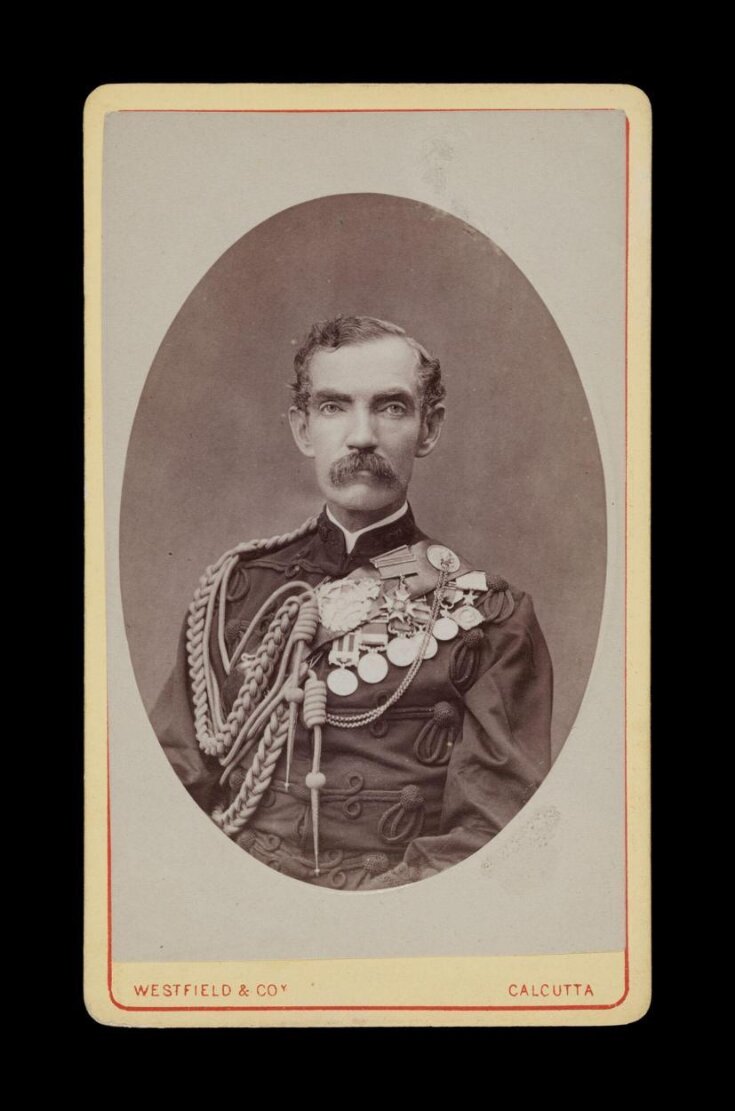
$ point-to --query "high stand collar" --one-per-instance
(369, 544)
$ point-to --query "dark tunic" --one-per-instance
(420, 788)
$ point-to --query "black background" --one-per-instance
(464, 1056)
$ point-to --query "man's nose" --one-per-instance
(361, 433)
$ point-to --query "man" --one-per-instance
(354, 703)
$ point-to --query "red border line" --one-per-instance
(376, 1007)
(437, 1008)
(335, 111)
(625, 557)
(109, 877)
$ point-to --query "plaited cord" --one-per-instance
(258, 777)
(213, 734)
(291, 627)
(281, 707)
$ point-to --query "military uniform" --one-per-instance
(420, 787)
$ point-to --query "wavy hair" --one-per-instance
(328, 335)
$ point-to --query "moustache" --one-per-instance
(345, 469)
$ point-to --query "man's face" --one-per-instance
(364, 426)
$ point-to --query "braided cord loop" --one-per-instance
(280, 727)
(259, 775)
(215, 735)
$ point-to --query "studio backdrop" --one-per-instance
(516, 484)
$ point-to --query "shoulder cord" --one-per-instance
(215, 734)
(262, 703)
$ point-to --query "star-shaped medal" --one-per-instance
(396, 602)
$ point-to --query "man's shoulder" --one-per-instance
(277, 551)
(483, 587)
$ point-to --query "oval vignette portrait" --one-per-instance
(363, 542)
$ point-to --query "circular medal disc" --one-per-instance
(446, 628)
(467, 617)
(342, 681)
(373, 667)
(431, 648)
(444, 559)
(403, 651)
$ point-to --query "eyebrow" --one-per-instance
(394, 395)
(330, 395)
(379, 399)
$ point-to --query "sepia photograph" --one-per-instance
(415, 719)
(364, 389)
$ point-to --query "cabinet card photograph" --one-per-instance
(367, 555)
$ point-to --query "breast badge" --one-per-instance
(345, 604)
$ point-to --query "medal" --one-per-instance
(467, 617)
(420, 612)
(342, 682)
(372, 667)
(472, 580)
(450, 597)
(445, 628)
(345, 604)
(443, 559)
(400, 626)
(397, 602)
(374, 635)
(431, 647)
(396, 563)
(403, 651)
(344, 654)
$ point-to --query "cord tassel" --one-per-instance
(315, 782)
(315, 715)
(294, 695)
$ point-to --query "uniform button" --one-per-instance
(444, 714)
(411, 797)
(496, 582)
(292, 570)
(375, 863)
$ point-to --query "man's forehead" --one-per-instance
(377, 364)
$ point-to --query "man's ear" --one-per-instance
(299, 421)
(431, 430)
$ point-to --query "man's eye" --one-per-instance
(394, 409)
(329, 408)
